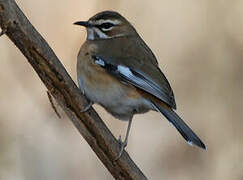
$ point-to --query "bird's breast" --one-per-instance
(120, 99)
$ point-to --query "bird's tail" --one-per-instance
(180, 125)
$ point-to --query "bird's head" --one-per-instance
(107, 25)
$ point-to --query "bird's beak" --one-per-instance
(83, 23)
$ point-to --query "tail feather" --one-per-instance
(180, 125)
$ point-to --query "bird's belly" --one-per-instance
(119, 99)
(125, 108)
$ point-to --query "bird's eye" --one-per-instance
(106, 26)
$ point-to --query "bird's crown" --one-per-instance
(106, 25)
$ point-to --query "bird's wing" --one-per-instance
(145, 76)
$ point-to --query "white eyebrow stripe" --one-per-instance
(101, 21)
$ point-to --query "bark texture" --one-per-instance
(52, 73)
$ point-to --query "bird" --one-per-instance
(117, 70)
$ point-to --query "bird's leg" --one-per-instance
(86, 108)
(124, 143)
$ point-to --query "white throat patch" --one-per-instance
(90, 33)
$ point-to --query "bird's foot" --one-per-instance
(86, 108)
(122, 147)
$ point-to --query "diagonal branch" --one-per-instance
(52, 73)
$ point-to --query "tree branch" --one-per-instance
(52, 73)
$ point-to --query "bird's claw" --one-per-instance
(120, 140)
(86, 108)
(122, 147)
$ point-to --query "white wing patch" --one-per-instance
(124, 70)
(100, 62)
(137, 81)
(133, 77)
(190, 143)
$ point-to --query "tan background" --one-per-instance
(199, 45)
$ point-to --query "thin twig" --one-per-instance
(52, 104)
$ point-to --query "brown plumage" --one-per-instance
(117, 70)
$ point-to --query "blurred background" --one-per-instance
(199, 46)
